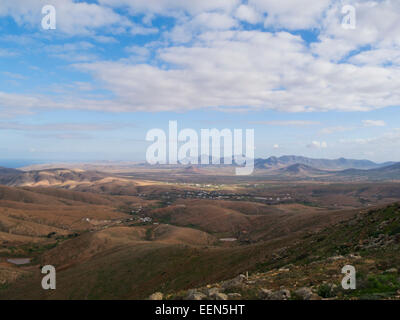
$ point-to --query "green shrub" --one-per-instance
(326, 291)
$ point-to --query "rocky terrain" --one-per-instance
(311, 268)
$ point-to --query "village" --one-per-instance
(169, 197)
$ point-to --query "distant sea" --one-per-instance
(9, 163)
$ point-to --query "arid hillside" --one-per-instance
(125, 236)
(310, 269)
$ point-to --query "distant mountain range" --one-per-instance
(273, 163)
(279, 168)
(270, 163)
(302, 171)
(323, 164)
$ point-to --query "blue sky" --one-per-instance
(114, 69)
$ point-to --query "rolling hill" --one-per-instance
(133, 262)
(310, 269)
(51, 177)
(9, 171)
(391, 172)
(301, 170)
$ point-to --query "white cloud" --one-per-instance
(223, 66)
(105, 39)
(62, 136)
(377, 57)
(12, 104)
(137, 29)
(375, 40)
(331, 130)
(138, 53)
(73, 51)
(291, 14)
(6, 53)
(374, 123)
(18, 126)
(173, 7)
(214, 21)
(187, 29)
(276, 146)
(386, 140)
(294, 123)
(13, 75)
(248, 14)
(72, 17)
(317, 145)
(244, 68)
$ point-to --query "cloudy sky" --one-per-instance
(114, 69)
